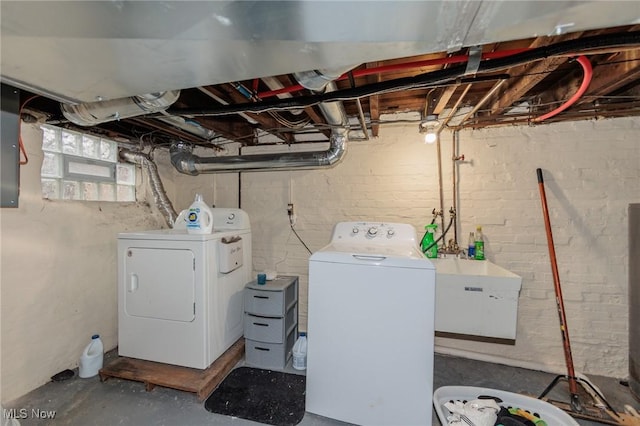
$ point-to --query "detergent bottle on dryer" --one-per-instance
(199, 217)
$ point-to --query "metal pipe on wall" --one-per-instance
(157, 188)
(453, 168)
(454, 179)
(441, 189)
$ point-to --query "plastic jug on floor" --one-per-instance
(92, 358)
(300, 352)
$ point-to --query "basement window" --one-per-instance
(77, 166)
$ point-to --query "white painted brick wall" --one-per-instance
(591, 171)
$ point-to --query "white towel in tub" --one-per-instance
(480, 412)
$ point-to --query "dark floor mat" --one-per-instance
(264, 396)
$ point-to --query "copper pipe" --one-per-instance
(453, 154)
(454, 159)
(439, 154)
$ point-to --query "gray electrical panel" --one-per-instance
(9, 141)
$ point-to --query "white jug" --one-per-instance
(92, 358)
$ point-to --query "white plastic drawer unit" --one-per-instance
(270, 299)
(270, 329)
(269, 355)
(270, 321)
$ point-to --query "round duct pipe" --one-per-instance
(317, 80)
(92, 113)
(186, 162)
(157, 188)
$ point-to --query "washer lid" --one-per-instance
(398, 256)
(177, 235)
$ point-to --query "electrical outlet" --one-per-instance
(291, 214)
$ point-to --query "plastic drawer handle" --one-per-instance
(261, 297)
(262, 349)
(261, 324)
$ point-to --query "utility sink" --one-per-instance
(476, 299)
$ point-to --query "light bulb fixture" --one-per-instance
(429, 126)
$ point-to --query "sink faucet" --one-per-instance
(451, 248)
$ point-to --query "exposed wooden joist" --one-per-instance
(315, 116)
(267, 122)
(150, 123)
(530, 75)
(232, 130)
(609, 78)
(443, 99)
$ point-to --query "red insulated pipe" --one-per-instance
(399, 67)
(588, 73)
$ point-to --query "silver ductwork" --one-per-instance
(92, 113)
(190, 126)
(157, 188)
(317, 80)
(186, 162)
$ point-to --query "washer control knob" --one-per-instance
(231, 216)
(391, 233)
(355, 230)
(373, 231)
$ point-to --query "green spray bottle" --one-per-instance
(428, 241)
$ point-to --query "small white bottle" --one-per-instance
(92, 358)
(199, 217)
(300, 352)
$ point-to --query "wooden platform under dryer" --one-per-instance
(152, 374)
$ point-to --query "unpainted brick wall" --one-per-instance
(592, 174)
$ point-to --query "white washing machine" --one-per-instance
(371, 327)
(180, 295)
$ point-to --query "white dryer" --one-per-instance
(371, 327)
(180, 294)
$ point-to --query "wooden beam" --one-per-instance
(530, 75)
(444, 98)
(316, 118)
(150, 123)
(231, 95)
(231, 129)
(609, 78)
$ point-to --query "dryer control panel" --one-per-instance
(374, 233)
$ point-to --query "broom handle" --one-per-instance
(573, 384)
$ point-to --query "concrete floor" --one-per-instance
(87, 402)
